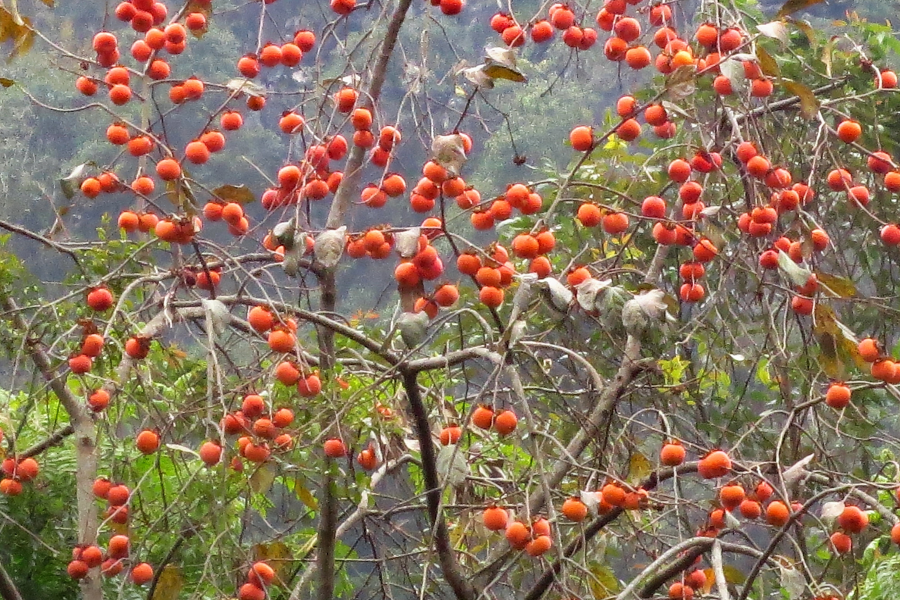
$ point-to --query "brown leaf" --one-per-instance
(792, 6)
(6, 82)
(240, 194)
(767, 64)
(841, 286)
(809, 104)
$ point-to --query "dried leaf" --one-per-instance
(452, 465)
(792, 6)
(681, 83)
(240, 194)
(169, 584)
(449, 151)
(6, 82)
(767, 64)
(774, 29)
(831, 511)
(262, 479)
(304, 495)
(809, 104)
(796, 274)
(247, 87)
(840, 287)
(498, 71)
(792, 581)
(276, 554)
(639, 468)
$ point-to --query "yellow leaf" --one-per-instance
(841, 286)
(638, 468)
(304, 495)
(276, 554)
(498, 71)
(809, 104)
(732, 575)
(262, 479)
(234, 193)
(766, 63)
(169, 584)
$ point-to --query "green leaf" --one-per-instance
(240, 194)
(792, 6)
(809, 104)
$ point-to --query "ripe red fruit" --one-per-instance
(450, 435)
(837, 396)
(335, 448)
(777, 513)
(210, 453)
(80, 364)
(77, 569)
(841, 542)
(147, 441)
(574, 509)
(141, 573)
(853, 520)
(100, 299)
(849, 131)
(505, 422)
(672, 454)
(495, 518)
(715, 464)
(517, 534)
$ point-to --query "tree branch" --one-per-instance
(8, 590)
(85, 431)
(462, 588)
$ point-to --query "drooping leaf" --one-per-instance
(276, 554)
(774, 29)
(169, 584)
(498, 71)
(262, 479)
(809, 104)
(840, 286)
(837, 344)
(246, 86)
(796, 274)
(184, 449)
(681, 83)
(452, 465)
(805, 27)
(240, 194)
(603, 582)
(767, 64)
(792, 6)
(792, 580)
(304, 495)
(733, 575)
(639, 468)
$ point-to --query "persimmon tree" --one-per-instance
(343, 363)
